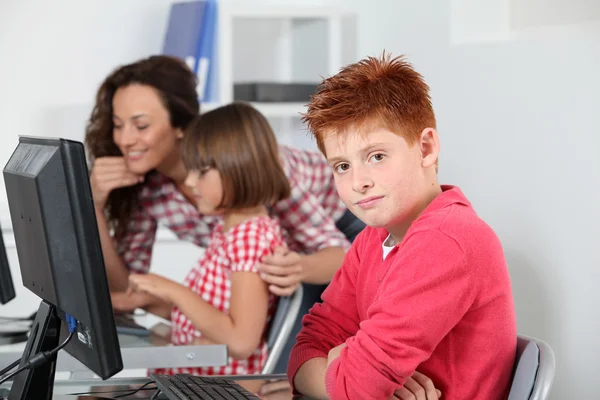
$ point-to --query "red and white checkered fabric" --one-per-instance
(237, 250)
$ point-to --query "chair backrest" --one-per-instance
(534, 370)
(281, 327)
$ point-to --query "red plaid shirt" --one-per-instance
(307, 217)
(239, 249)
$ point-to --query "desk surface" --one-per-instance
(101, 390)
(136, 357)
(105, 390)
(117, 386)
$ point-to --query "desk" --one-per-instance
(138, 353)
(65, 390)
(78, 379)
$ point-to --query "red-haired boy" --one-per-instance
(425, 286)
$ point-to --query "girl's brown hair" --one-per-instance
(238, 142)
(175, 84)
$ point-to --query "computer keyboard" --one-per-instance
(125, 324)
(190, 387)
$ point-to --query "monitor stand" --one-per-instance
(38, 383)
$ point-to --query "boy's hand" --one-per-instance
(334, 353)
(418, 387)
(152, 284)
(282, 270)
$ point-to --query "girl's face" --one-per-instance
(208, 190)
(142, 129)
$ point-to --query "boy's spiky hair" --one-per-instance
(374, 92)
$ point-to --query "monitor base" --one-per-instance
(38, 383)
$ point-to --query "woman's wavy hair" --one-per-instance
(175, 84)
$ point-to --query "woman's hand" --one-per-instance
(282, 271)
(154, 285)
(109, 173)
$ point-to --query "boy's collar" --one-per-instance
(450, 195)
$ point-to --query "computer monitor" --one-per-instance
(60, 257)
(7, 289)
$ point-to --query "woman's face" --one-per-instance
(142, 129)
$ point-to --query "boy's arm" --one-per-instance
(327, 325)
(423, 295)
(310, 378)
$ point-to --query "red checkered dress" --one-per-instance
(239, 249)
(307, 217)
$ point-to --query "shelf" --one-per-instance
(268, 109)
(266, 10)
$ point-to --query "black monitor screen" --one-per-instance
(7, 289)
(58, 245)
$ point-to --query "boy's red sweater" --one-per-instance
(440, 303)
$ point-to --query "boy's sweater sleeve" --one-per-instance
(424, 293)
(331, 322)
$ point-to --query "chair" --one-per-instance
(534, 370)
(281, 327)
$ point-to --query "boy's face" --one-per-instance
(381, 179)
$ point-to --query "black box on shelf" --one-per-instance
(274, 92)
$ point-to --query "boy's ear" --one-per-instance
(429, 144)
(179, 133)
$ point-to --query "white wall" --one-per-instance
(516, 90)
(55, 54)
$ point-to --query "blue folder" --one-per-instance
(191, 36)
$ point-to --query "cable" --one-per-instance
(15, 319)
(143, 387)
(11, 366)
(45, 356)
(38, 359)
(7, 377)
(29, 318)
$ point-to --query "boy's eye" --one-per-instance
(342, 167)
(141, 128)
(377, 157)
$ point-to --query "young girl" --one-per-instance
(236, 174)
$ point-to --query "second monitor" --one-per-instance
(7, 289)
